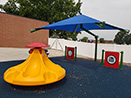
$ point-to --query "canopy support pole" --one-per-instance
(96, 38)
(76, 28)
(36, 29)
(127, 31)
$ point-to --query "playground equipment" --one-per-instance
(36, 70)
(71, 53)
(112, 59)
(82, 23)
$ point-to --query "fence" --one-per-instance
(88, 49)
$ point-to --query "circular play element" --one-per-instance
(70, 53)
(111, 59)
(37, 69)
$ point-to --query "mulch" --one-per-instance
(84, 79)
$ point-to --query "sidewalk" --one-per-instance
(9, 54)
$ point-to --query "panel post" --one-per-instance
(121, 62)
(75, 53)
(102, 62)
(65, 51)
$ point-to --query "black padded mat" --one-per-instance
(84, 79)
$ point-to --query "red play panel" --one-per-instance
(112, 59)
(37, 45)
(70, 53)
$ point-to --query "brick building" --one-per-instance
(15, 31)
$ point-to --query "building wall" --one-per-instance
(15, 31)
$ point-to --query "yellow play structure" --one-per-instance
(36, 70)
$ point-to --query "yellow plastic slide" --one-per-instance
(36, 70)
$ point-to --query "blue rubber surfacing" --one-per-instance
(84, 79)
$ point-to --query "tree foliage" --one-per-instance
(119, 37)
(45, 10)
(128, 39)
(122, 37)
(101, 40)
(84, 39)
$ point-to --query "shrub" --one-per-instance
(101, 40)
(84, 39)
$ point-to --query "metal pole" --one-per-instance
(75, 53)
(102, 62)
(121, 62)
(53, 43)
(96, 37)
(59, 44)
(65, 51)
(127, 31)
(36, 29)
(76, 28)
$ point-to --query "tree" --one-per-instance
(120, 37)
(45, 10)
(128, 39)
(101, 40)
(84, 39)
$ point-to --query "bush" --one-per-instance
(119, 37)
(122, 37)
(84, 39)
(128, 39)
(101, 40)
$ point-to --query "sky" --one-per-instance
(114, 12)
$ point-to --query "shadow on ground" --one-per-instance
(84, 79)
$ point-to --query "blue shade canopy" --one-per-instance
(81, 23)
(73, 24)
